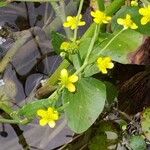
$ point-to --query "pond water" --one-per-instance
(34, 60)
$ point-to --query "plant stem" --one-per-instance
(101, 5)
(60, 12)
(2, 120)
(89, 50)
(78, 15)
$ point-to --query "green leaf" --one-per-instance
(145, 123)
(121, 47)
(136, 17)
(57, 40)
(112, 92)
(83, 47)
(3, 3)
(99, 142)
(119, 50)
(85, 105)
(29, 110)
(106, 136)
(137, 143)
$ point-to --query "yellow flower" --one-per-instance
(104, 63)
(68, 81)
(74, 22)
(127, 22)
(134, 3)
(145, 12)
(70, 47)
(100, 17)
(48, 116)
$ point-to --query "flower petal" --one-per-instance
(73, 78)
(81, 23)
(104, 71)
(69, 18)
(55, 116)
(66, 24)
(52, 123)
(64, 74)
(134, 26)
(41, 112)
(93, 14)
(43, 122)
(50, 110)
(120, 21)
(144, 20)
(71, 87)
(110, 66)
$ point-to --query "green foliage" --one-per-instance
(119, 50)
(106, 136)
(85, 105)
(137, 143)
(145, 123)
(3, 3)
(111, 91)
(136, 17)
(57, 40)
(29, 110)
(121, 47)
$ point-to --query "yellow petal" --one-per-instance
(120, 21)
(66, 24)
(50, 110)
(92, 13)
(43, 122)
(104, 71)
(73, 78)
(55, 116)
(144, 20)
(64, 74)
(52, 123)
(107, 59)
(110, 66)
(81, 23)
(69, 18)
(71, 87)
(128, 17)
(73, 26)
(143, 11)
(134, 26)
(41, 112)
(108, 18)
(99, 60)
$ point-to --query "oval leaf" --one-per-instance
(85, 105)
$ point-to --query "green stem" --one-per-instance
(2, 120)
(6, 108)
(101, 5)
(111, 41)
(59, 10)
(78, 15)
(89, 50)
